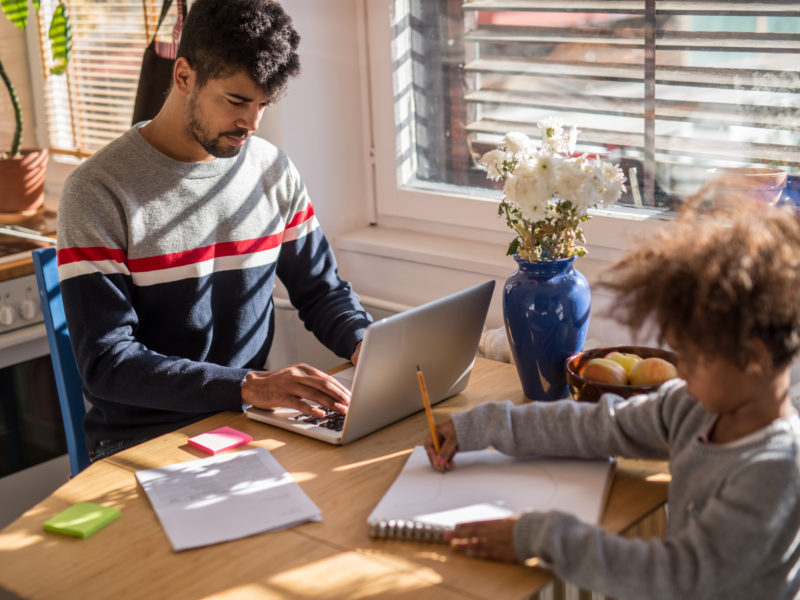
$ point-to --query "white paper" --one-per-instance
(225, 497)
(486, 484)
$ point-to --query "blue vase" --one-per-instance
(546, 310)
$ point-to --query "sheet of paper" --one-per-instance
(486, 485)
(225, 497)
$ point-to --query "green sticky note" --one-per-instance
(81, 519)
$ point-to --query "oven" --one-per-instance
(31, 427)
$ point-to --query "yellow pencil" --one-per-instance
(428, 412)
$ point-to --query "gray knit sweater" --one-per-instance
(734, 509)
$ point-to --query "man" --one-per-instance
(170, 237)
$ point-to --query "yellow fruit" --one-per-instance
(652, 371)
(626, 359)
(604, 370)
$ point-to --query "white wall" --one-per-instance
(322, 113)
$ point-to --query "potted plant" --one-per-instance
(547, 193)
(22, 171)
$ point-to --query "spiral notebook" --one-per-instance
(423, 503)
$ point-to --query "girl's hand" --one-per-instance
(448, 446)
(485, 539)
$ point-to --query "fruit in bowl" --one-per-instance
(652, 371)
(627, 359)
(636, 370)
(605, 370)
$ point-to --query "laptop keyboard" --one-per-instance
(332, 420)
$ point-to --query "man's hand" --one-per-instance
(448, 446)
(356, 354)
(486, 539)
(287, 387)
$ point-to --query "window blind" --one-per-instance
(93, 102)
(670, 88)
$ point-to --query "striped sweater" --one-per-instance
(167, 271)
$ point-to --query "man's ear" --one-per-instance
(183, 76)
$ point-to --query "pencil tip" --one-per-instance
(417, 367)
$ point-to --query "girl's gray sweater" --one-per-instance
(734, 509)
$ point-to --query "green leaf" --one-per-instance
(512, 247)
(60, 35)
(16, 11)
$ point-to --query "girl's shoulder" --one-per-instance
(681, 415)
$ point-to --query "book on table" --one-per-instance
(423, 503)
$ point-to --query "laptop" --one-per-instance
(441, 337)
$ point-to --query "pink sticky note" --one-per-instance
(218, 440)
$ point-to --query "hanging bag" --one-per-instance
(158, 61)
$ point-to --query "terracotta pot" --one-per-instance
(22, 181)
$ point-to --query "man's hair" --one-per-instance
(223, 37)
(715, 284)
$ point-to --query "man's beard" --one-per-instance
(212, 144)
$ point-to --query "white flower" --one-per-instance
(555, 139)
(549, 191)
(493, 161)
(614, 180)
(552, 131)
(569, 178)
(532, 186)
(518, 144)
(570, 140)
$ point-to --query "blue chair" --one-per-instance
(68, 380)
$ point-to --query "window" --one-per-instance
(93, 103)
(669, 90)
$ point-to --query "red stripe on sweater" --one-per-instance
(92, 254)
(185, 257)
(197, 255)
(301, 217)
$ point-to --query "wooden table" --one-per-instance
(335, 558)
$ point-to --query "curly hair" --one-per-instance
(222, 37)
(716, 284)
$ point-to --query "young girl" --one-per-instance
(725, 295)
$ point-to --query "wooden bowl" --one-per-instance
(585, 390)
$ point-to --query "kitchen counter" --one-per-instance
(15, 259)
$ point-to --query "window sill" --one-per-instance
(451, 253)
(609, 234)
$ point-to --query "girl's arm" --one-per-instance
(613, 426)
(743, 538)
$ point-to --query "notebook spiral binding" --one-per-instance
(411, 531)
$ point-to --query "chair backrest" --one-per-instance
(68, 380)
